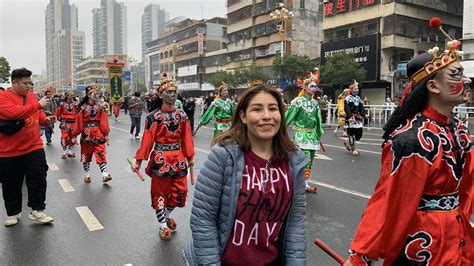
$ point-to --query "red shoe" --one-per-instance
(311, 189)
(165, 233)
(87, 179)
(106, 178)
(171, 223)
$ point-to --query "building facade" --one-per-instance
(253, 35)
(181, 52)
(383, 35)
(109, 31)
(153, 20)
(468, 39)
(65, 44)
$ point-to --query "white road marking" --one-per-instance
(348, 191)
(53, 167)
(364, 143)
(67, 187)
(318, 156)
(344, 148)
(116, 128)
(89, 219)
(201, 150)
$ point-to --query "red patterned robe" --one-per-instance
(66, 114)
(169, 139)
(93, 125)
(420, 211)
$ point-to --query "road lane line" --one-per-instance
(344, 148)
(202, 150)
(348, 191)
(89, 219)
(318, 156)
(67, 187)
(116, 128)
(53, 167)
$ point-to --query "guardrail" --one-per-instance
(379, 114)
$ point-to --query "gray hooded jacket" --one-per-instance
(215, 199)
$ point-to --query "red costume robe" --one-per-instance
(169, 139)
(93, 125)
(420, 211)
(66, 114)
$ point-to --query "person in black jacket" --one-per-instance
(189, 108)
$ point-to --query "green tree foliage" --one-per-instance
(340, 68)
(292, 66)
(4, 69)
(245, 74)
(222, 76)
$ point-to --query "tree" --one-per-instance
(4, 69)
(245, 74)
(292, 66)
(222, 76)
(340, 68)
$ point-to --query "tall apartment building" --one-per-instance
(109, 28)
(65, 44)
(468, 39)
(253, 35)
(153, 21)
(383, 35)
(182, 51)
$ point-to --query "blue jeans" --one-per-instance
(48, 132)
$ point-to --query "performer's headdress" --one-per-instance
(420, 69)
(354, 84)
(311, 76)
(90, 90)
(166, 83)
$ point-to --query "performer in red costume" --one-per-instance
(169, 139)
(66, 114)
(93, 125)
(116, 110)
(419, 213)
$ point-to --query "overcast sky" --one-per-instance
(22, 25)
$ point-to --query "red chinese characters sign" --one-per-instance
(334, 7)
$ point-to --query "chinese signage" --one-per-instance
(335, 7)
(115, 80)
(365, 50)
(200, 43)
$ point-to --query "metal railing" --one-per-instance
(379, 114)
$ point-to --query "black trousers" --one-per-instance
(135, 124)
(32, 167)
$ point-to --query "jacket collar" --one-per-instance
(436, 116)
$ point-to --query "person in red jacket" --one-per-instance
(66, 114)
(22, 156)
(93, 125)
(420, 210)
(116, 110)
(169, 139)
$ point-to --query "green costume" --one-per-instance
(178, 105)
(223, 111)
(304, 113)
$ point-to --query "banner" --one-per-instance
(115, 69)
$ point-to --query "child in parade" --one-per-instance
(116, 110)
(222, 108)
(253, 168)
(93, 125)
(355, 113)
(66, 114)
(305, 114)
(420, 210)
(169, 139)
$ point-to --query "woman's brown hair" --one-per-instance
(283, 146)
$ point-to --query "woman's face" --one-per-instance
(262, 117)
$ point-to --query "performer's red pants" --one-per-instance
(88, 149)
(166, 191)
(116, 110)
(66, 138)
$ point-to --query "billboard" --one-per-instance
(366, 51)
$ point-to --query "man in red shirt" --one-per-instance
(22, 154)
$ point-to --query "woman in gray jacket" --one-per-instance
(249, 203)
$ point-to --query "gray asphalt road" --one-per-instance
(130, 231)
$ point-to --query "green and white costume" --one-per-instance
(304, 113)
(222, 110)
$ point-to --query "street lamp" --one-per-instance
(174, 47)
(281, 16)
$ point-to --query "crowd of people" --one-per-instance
(249, 205)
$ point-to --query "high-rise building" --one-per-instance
(64, 43)
(153, 21)
(253, 35)
(109, 28)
